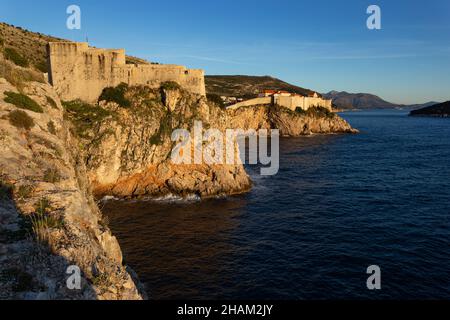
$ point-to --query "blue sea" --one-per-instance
(339, 204)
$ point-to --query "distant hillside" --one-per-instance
(248, 86)
(345, 100)
(32, 46)
(360, 101)
(423, 105)
(437, 110)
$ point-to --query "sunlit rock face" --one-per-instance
(48, 217)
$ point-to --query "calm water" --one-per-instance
(339, 204)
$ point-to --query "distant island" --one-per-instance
(438, 110)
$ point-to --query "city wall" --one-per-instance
(77, 71)
(290, 102)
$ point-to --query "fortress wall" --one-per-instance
(251, 102)
(154, 75)
(292, 102)
(314, 102)
(80, 72)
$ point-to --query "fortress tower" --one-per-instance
(77, 71)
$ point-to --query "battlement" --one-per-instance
(78, 71)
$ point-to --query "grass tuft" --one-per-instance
(18, 77)
(25, 191)
(52, 176)
(42, 221)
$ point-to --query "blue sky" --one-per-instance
(322, 44)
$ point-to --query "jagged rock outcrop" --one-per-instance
(129, 150)
(48, 217)
(290, 123)
(55, 158)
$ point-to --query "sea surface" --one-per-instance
(339, 204)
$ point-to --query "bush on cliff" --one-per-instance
(41, 66)
(22, 101)
(20, 119)
(214, 98)
(116, 94)
(12, 55)
(317, 111)
(84, 115)
(170, 85)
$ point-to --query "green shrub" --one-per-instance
(51, 127)
(12, 55)
(170, 85)
(41, 66)
(317, 111)
(51, 102)
(22, 101)
(84, 115)
(52, 176)
(116, 94)
(214, 98)
(2, 42)
(299, 110)
(321, 112)
(20, 119)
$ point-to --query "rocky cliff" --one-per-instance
(48, 217)
(130, 147)
(56, 155)
(290, 123)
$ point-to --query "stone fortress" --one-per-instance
(285, 99)
(78, 71)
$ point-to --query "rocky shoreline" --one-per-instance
(59, 157)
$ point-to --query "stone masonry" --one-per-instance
(78, 71)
